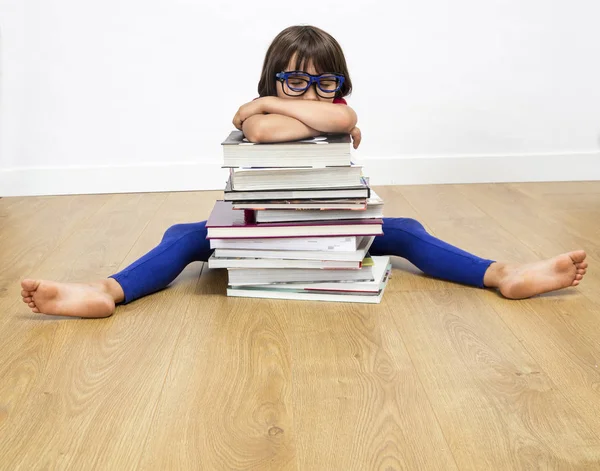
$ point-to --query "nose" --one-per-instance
(311, 93)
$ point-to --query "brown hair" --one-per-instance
(308, 44)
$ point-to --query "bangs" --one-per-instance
(313, 50)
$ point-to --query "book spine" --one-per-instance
(249, 216)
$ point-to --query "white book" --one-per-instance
(330, 244)
(248, 179)
(320, 151)
(370, 227)
(356, 255)
(275, 293)
(214, 262)
(312, 204)
(361, 191)
(269, 276)
(381, 269)
(374, 210)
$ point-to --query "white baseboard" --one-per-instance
(382, 171)
(142, 178)
(584, 166)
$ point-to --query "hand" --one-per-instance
(356, 137)
(249, 109)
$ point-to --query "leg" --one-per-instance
(180, 245)
(407, 238)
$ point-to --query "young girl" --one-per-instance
(302, 88)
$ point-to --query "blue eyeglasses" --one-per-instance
(296, 83)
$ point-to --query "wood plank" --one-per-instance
(80, 394)
(82, 239)
(437, 377)
(440, 203)
(100, 245)
(539, 228)
(33, 366)
(562, 333)
(32, 229)
(510, 212)
(562, 195)
(409, 277)
(526, 218)
(14, 211)
(358, 402)
(396, 205)
(497, 407)
(178, 208)
(226, 402)
(189, 426)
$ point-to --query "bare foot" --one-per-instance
(524, 281)
(71, 299)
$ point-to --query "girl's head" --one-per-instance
(307, 49)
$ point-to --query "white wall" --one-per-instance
(136, 95)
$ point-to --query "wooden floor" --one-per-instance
(438, 377)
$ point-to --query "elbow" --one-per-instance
(253, 134)
(254, 131)
(347, 121)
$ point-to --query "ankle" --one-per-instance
(112, 287)
(495, 274)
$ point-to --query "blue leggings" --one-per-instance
(403, 237)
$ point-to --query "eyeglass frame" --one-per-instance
(283, 77)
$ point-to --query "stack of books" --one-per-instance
(297, 221)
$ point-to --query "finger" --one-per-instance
(357, 137)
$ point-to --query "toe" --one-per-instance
(30, 285)
(35, 309)
(577, 256)
(582, 265)
(578, 277)
(575, 283)
(31, 304)
(28, 300)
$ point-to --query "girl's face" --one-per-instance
(310, 94)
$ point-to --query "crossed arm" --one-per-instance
(272, 119)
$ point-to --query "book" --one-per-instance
(320, 151)
(381, 271)
(381, 268)
(308, 244)
(373, 210)
(286, 291)
(357, 255)
(257, 262)
(251, 179)
(359, 191)
(320, 204)
(226, 223)
(270, 276)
